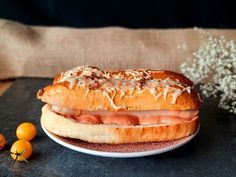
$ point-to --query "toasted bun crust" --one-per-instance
(114, 134)
(171, 91)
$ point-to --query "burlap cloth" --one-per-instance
(34, 51)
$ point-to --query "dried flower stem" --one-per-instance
(214, 68)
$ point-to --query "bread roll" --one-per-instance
(114, 134)
(86, 88)
(114, 106)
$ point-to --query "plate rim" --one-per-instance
(119, 154)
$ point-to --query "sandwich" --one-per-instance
(115, 107)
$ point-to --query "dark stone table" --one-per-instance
(211, 153)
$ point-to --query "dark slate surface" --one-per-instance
(211, 153)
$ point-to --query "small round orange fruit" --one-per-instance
(2, 141)
(21, 150)
(26, 131)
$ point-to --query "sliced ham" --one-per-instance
(128, 117)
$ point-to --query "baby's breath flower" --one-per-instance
(214, 68)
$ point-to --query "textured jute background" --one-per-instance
(34, 51)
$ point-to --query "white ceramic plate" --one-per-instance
(122, 150)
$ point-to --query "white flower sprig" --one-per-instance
(214, 68)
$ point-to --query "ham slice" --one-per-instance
(128, 117)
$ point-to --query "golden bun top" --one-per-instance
(89, 88)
